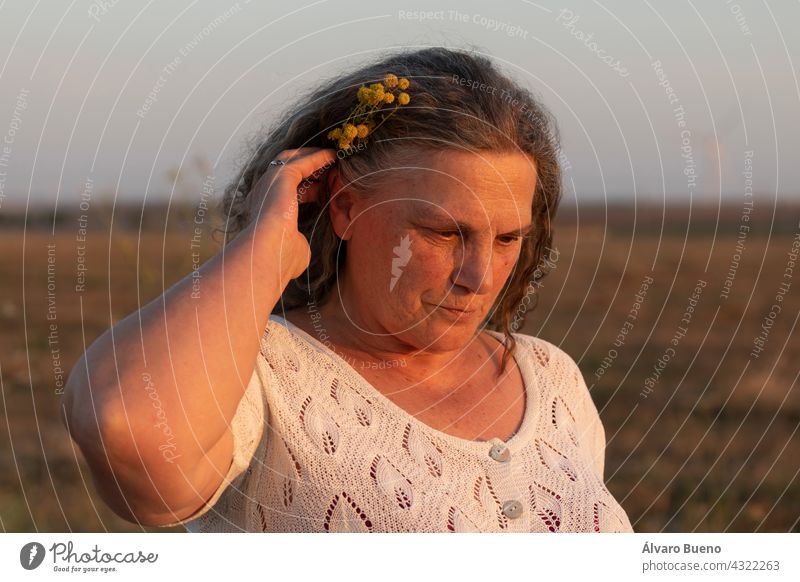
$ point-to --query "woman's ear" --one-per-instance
(340, 205)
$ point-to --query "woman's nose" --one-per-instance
(473, 267)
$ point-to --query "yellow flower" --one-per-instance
(377, 93)
(350, 131)
(360, 124)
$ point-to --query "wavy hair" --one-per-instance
(449, 110)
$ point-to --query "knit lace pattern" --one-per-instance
(318, 449)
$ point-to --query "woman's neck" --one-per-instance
(360, 340)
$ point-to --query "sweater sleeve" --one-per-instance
(247, 427)
(597, 438)
(590, 427)
(595, 433)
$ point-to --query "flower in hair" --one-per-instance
(360, 124)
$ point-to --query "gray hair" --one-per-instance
(449, 110)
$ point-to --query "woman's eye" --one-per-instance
(452, 235)
(446, 234)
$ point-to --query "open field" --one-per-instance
(706, 443)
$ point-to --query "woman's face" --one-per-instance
(444, 236)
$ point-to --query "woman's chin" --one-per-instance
(450, 337)
(442, 331)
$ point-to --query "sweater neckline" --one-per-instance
(517, 441)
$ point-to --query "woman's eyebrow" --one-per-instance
(445, 221)
(520, 231)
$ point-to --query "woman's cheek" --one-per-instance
(425, 269)
(431, 261)
(507, 261)
(504, 266)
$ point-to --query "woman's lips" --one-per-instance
(454, 312)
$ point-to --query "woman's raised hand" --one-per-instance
(275, 198)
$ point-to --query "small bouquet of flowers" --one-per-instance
(360, 123)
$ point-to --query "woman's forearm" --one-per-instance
(158, 390)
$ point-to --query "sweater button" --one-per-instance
(512, 509)
(500, 453)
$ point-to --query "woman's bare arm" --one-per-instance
(151, 400)
(133, 395)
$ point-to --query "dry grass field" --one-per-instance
(705, 442)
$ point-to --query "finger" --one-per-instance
(309, 168)
(297, 153)
(308, 191)
(288, 181)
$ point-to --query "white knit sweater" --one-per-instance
(319, 449)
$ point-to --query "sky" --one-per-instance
(655, 101)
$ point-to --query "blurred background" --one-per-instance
(677, 240)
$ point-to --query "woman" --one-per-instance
(351, 362)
